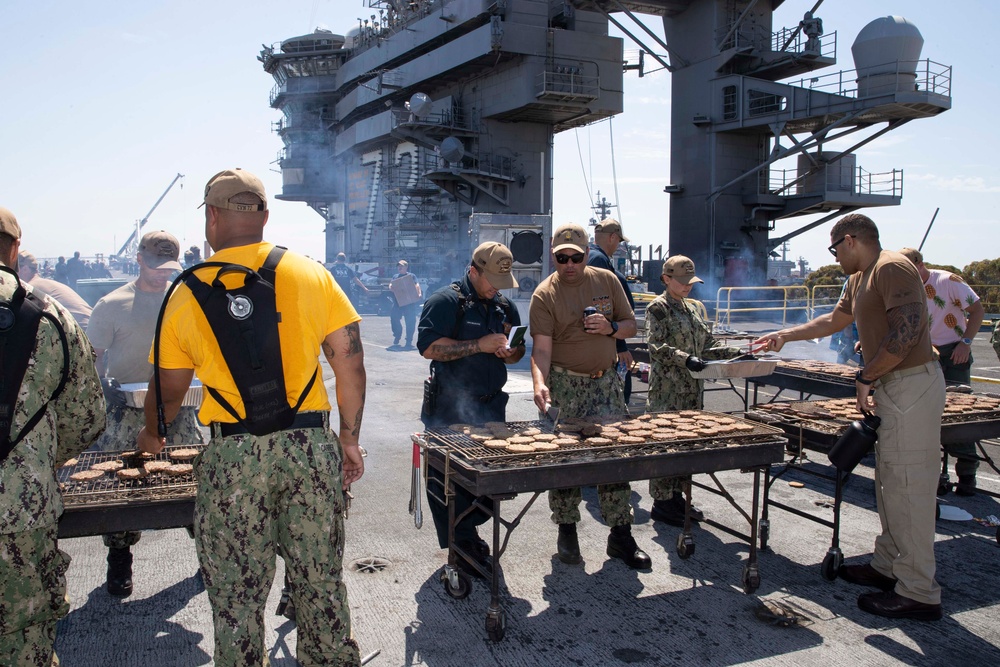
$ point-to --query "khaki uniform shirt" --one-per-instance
(29, 493)
(123, 324)
(890, 282)
(557, 310)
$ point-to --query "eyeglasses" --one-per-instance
(577, 258)
(833, 248)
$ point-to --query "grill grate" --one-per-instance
(462, 446)
(834, 373)
(109, 489)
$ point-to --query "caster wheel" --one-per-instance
(460, 588)
(831, 564)
(685, 546)
(944, 485)
(764, 531)
(496, 625)
(751, 579)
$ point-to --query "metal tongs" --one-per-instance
(416, 480)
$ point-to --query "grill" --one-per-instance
(810, 377)
(820, 423)
(501, 475)
(110, 505)
(486, 471)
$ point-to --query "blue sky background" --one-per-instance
(105, 102)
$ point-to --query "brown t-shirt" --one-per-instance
(557, 311)
(892, 281)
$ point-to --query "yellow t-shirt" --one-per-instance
(311, 305)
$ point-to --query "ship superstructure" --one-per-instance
(428, 127)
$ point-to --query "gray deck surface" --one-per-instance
(683, 612)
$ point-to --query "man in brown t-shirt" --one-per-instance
(573, 366)
(885, 296)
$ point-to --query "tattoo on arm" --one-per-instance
(904, 329)
(327, 350)
(354, 429)
(460, 349)
(353, 338)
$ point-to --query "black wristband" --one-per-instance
(614, 329)
(860, 379)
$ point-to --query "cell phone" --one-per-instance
(516, 336)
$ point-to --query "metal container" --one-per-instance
(736, 369)
(135, 394)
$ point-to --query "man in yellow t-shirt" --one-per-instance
(281, 492)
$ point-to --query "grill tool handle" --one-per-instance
(415, 492)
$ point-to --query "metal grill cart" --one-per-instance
(110, 505)
(499, 476)
(818, 425)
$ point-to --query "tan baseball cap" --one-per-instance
(570, 236)
(227, 184)
(494, 260)
(8, 224)
(610, 226)
(25, 258)
(912, 254)
(160, 250)
(681, 269)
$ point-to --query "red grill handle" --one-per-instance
(416, 455)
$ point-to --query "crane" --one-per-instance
(131, 246)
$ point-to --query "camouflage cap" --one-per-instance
(494, 260)
(570, 236)
(225, 185)
(610, 226)
(160, 251)
(681, 269)
(8, 224)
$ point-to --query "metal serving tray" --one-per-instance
(736, 369)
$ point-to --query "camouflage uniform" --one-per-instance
(675, 332)
(32, 568)
(256, 495)
(586, 397)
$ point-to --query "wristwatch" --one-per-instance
(860, 379)
(614, 329)
(967, 341)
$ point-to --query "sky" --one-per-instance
(106, 102)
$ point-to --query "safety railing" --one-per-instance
(897, 76)
(779, 303)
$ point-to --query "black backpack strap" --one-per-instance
(19, 321)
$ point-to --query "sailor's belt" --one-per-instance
(913, 370)
(592, 376)
(301, 421)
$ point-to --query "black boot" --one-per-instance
(568, 545)
(966, 485)
(671, 511)
(120, 572)
(622, 545)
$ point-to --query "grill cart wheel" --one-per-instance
(457, 584)
(831, 563)
(764, 530)
(751, 579)
(685, 545)
(496, 624)
(944, 485)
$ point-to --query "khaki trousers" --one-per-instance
(908, 453)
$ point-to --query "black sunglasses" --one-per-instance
(577, 258)
(833, 248)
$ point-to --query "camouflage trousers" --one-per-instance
(124, 424)
(262, 496)
(32, 597)
(586, 397)
(663, 488)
